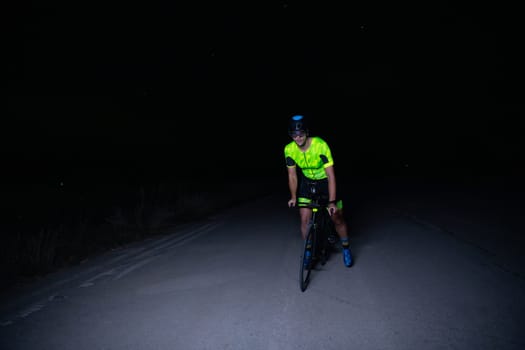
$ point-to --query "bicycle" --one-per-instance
(320, 239)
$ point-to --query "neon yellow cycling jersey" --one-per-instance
(313, 161)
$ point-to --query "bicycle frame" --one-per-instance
(318, 242)
(320, 216)
(320, 223)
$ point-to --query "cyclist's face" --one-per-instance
(299, 137)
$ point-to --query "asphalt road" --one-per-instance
(231, 282)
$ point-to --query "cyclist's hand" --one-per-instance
(291, 203)
(332, 208)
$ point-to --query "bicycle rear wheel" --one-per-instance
(306, 268)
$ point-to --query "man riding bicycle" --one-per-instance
(309, 159)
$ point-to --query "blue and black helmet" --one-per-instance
(297, 123)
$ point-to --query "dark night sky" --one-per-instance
(166, 86)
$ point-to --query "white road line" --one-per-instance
(178, 242)
(148, 252)
(133, 267)
(92, 280)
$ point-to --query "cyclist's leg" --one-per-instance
(303, 199)
(341, 228)
(306, 215)
(340, 222)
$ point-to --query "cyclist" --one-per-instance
(309, 158)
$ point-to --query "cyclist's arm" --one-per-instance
(332, 187)
(292, 182)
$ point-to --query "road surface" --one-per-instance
(231, 282)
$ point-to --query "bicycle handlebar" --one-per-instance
(314, 205)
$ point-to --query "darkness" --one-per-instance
(104, 97)
(164, 89)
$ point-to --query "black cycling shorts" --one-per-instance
(304, 194)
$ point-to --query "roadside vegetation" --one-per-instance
(48, 227)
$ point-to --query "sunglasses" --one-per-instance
(297, 134)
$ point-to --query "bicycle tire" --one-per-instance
(306, 270)
(322, 238)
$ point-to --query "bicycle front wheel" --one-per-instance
(307, 263)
